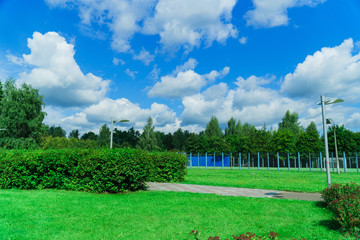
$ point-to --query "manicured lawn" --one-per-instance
(267, 179)
(56, 214)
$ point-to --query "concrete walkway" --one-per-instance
(231, 191)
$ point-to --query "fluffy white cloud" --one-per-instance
(334, 72)
(178, 22)
(249, 102)
(184, 83)
(57, 75)
(186, 22)
(121, 16)
(274, 13)
(124, 109)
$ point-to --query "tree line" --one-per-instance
(21, 124)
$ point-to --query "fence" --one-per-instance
(290, 161)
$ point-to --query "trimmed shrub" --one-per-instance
(101, 170)
(166, 167)
(344, 201)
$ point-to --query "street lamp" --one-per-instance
(330, 121)
(326, 101)
(112, 129)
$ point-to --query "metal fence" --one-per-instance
(348, 162)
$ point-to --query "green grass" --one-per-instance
(267, 179)
(55, 214)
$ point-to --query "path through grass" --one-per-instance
(55, 214)
(265, 179)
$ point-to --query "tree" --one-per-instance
(283, 141)
(89, 136)
(74, 134)
(147, 140)
(309, 141)
(346, 140)
(104, 136)
(56, 131)
(231, 128)
(21, 112)
(291, 122)
(213, 129)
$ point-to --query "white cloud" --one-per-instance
(186, 23)
(57, 75)
(16, 60)
(179, 23)
(117, 61)
(334, 72)
(131, 73)
(274, 13)
(243, 40)
(144, 56)
(249, 102)
(121, 16)
(184, 83)
(188, 65)
(213, 75)
(124, 109)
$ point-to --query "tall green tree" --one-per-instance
(290, 121)
(148, 140)
(213, 129)
(74, 134)
(104, 136)
(89, 136)
(231, 128)
(21, 112)
(309, 141)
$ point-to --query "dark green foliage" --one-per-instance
(56, 131)
(166, 167)
(74, 134)
(101, 170)
(126, 138)
(344, 201)
(290, 121)
(89, 136)
(347, 141)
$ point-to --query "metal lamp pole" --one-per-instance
(324, 102)
(112, 130)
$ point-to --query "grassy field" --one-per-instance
(55, 214)
(265, 179)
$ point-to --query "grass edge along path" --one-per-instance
(58, 214)
(264, 179)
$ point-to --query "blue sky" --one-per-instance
(183, 61)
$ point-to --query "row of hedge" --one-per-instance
(100, 170)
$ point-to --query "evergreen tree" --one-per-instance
(148, 140)
(231, 128)
(213, 129)
(291, 122)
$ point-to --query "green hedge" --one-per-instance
(100, 170)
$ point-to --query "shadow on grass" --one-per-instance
(330, 224)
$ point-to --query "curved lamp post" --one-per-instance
(112, 129)
(326, 101)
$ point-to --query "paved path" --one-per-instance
(231, 191)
